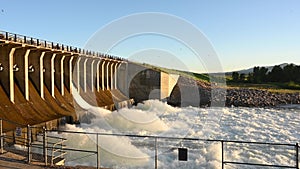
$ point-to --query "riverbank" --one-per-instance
(238, 97)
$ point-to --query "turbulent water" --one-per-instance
(157, 118)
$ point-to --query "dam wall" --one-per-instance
(41, 81)
(38, 80)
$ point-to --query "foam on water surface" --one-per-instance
(157, 118)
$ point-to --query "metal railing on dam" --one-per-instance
(13, 37)
(160, 145)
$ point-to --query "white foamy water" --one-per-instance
(159, 119)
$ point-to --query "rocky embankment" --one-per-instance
(259, 98)
(242, 97)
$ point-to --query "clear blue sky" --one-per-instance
(244, 33)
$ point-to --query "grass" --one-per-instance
(196, 76)
(283, 91)
(289, 85)
(271, 87)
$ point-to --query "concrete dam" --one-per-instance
(39, 79)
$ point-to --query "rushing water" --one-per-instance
(157, 118)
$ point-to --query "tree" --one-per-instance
(297, 80)
(242, 77)
(256, 74)
(235, 76)
(250, 78)
(263, 74)
(276, 74)
(259, 74)
(290, 73)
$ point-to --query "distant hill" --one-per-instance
(250, 70)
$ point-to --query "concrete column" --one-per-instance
(11, 75)
(17, 73)
(103, 74)
(71, 74)
(62, 87)
(59, 72)
(78, 74)
(107, 75)
(112, 75)
(98, 75)
(48, 69)
(117, 66)
(5, 59)
(84, 75)
(90, 70)
(122, 78)
(92, 76)
(21, 76)
(67, 71)
(35, 70)
(52, 70)
(26, 74)
(42, 75)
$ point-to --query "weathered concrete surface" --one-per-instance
(146, 83)
(188, 92)
(34, 111)
(167, 83)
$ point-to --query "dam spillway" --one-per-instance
(38, 79)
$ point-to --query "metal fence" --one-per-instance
(7, 36)
(48, 149)
(157, 143)
(54, 147)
